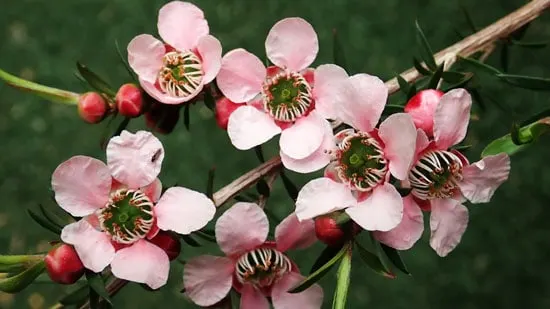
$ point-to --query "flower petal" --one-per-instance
(252, 298)
(162, 97)
(292, 44)
(293, 234)
(145, 54)
(208, 279)
(210, 50)
(422, 142)
(451, 118)
(311, 298)
(399, 135)
(304, 137)
(381, 211)
(94, 248)
(153, 190)
(249, 127)
(482, 178)
(233, 236)
(135, 159)
(448, 221)
(321, 196)
(183, 210)
(81, 185)
(241, 75)
(182, 25)
(409, 230)
(142, 262)
(328, 79)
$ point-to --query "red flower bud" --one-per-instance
(64, 265)
(422, 109)
(169, 242)
(162, 118)
(129, 100)
(224, 108)
(92, 107)
(331, 233)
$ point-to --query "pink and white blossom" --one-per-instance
(122, 208)
(176, 70)
(253, 266)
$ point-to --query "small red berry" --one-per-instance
(169, 242)
(422, 109)
(331, 233)
(92, 107)
(129, 100)
(224, 108)
(64, 265)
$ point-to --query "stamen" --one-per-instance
(262, 266)
(181, 74)
(436, 175)
(287, 96)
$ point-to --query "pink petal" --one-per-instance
(241, 228)
(208, 279)
(249, 127)
(241, 75)
(182, 25)
(153, 190)
(422, 142)
(142, 262)
(162, 97)
(381, 211)
(135, 159)
(448, 221)
(399, 135)
(312, 298)
(362, 100)
(292, 44)
(292, 234)
(409, 230)
(145, 54)
(183, 210)
(81, 185)
(328, 78)
(252, 298)
(210, 50)
(321, 196)
(482, 178)
(93, 247)
(304, 137)
(451, 118)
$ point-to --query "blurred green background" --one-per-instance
(502, 261)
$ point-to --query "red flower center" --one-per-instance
(261, 267)
(436, 175)
(287, 96)
(181, 74)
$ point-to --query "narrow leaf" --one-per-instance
(395, 258)
(342, 281)
(97, 285)
(392, 109)
(94, 298)
(403, 85)
(290, 187)
(504, 58)
(190, 241)
(534, 45)
(328, 253)
(20, 281)
(94, 80)
(263, 188)
(467, 77)
(480, 65)
(125, 62)
(420, 67)
(259, 153)
(186, 117)
(50, 216)
(210, 183)
(436, 77)
(338, 50)
(76, 297)
(44, 223)
(506, 144)
(426, 50)
(209, 100)
(205, 236)
(527, 82)
(373, 261)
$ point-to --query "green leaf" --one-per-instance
(527, 82)
(338, 50)
(97, 285)
(259, 153)
(395, 258)
(534, 45)
(426, 50)
(94, 298)
(319, 273)
(480, 65)
(205, 236)
(342, 281)
(94, 80)
(504, 58)
(20, 281)
(50, 216)
(469, 19)
(125, 62)
(373, 261)
(420, 67)
(328, 253)
(209, 100)
(51, 94)
(290, 187)
(461, 83)
(210, 183)
(393, 108)
(18, 263)
(76, 297)
(186, 117)
(436, 77)
(403, 85)
(190, 241)
(263, 188)
(44, 223)
(506, 143)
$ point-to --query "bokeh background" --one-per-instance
(502, 261)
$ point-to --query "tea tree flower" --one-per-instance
(122, 208)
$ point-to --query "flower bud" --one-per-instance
(129, 100)
(224, 108)
(64, 265)
(92, 107)
(331, 233)
(169, 242)
(162, 118)
(422, 109)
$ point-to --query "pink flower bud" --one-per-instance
(64, 265)
(422, 108)
(169, 242)
(92, 107)
(331, 233)
(224, 108)
(129, 100)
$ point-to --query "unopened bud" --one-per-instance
(63, 264)
(129, 100)
(169, 242)
(330, 232)
(224, 108)
(422, 109)
(92, 107)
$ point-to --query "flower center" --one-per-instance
(127, 217)
(436, 175)
(361, 161)
(287, 96)
(181, 74)
(261, 267)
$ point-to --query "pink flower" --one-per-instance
(287, 98)
(175, 71)
(256, 268)
(117, 202)
(363, 158)
(444, 178)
